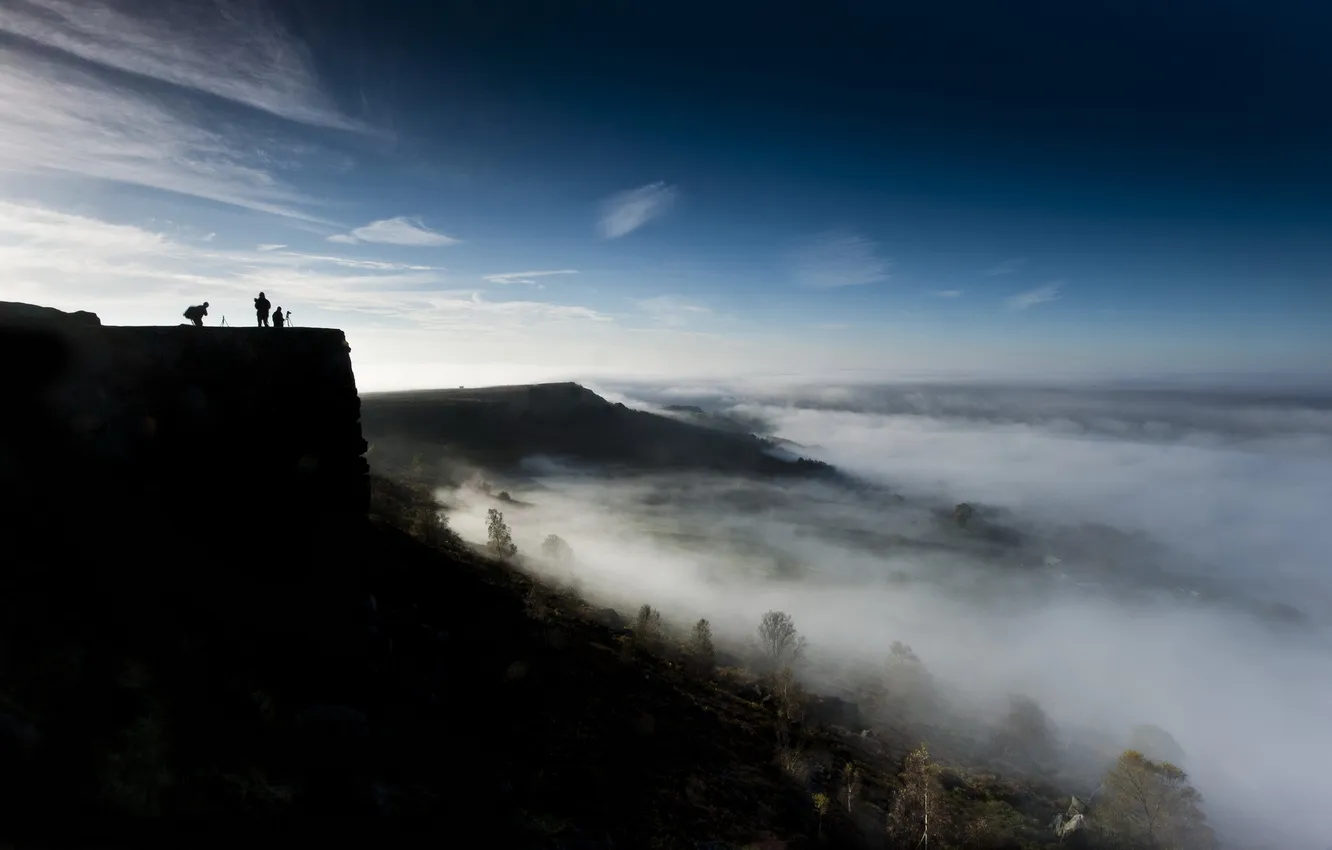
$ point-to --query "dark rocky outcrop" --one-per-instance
(179, 422)
(183, 503)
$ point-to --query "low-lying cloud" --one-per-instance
(1140, 558)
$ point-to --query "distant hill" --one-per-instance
(499, 426)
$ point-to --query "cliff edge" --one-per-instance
(231, 432)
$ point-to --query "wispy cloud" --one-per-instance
(459, 311)
(61, 120)
(127, 272)
(838, 258)
(625, 212)
(671, 310)
(270, 246)
(1032, 297)
(401, 230)
(281, 257)
(529, 278)
(947, 293)
(235, 51)
(1006, 267)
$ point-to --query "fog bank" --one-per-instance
(1129, 549)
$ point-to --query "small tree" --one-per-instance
(701, 648)
(1151, 804)
(850, 783)
(901, 654)
(501, 542)
(821, 803)
(555, 549)
(917, 811)
(647, 627)
(1027, 732)
(790, 696)
(779, 642)
(909, 690)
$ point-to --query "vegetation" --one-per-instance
(1151, 804)
(919, 809)
(700, 647)
(850, 784)
(780, 645)
(472, 660)
(921, 803)
(555, 549)
(647, 627)
(501, 543)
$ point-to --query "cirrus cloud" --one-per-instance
(1032, 297)
(837, 258)
(400, 230)
(529, 278)
(625, 212)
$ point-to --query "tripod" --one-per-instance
(223, 323)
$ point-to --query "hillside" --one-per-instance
(189, 629)
(498, 427)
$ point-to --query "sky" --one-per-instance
(505, 192)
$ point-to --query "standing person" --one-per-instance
(277, 318)
(261, 308)
(196, 313)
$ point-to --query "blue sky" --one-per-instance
(511, 191)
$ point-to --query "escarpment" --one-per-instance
(221, 439)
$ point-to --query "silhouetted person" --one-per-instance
(261, 308)
(278, 318)
(196, 314)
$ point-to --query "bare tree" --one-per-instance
(1151, 804)
(779, 642)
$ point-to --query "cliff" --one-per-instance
(234, 433)
(194, 499)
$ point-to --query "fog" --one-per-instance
(1130, 551)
